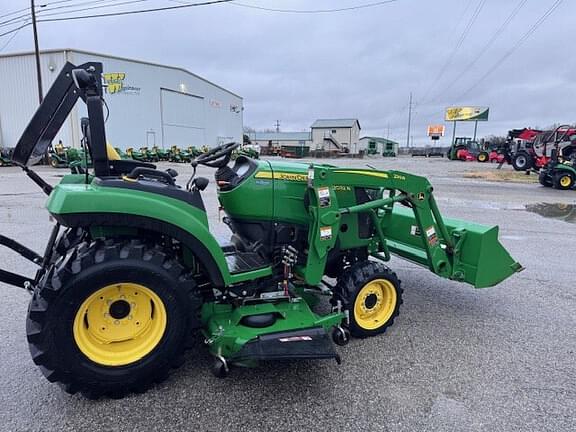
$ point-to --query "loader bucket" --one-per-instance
(478, 257)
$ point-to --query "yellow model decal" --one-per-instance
(342, 188)
(281, 176)
(368, 173)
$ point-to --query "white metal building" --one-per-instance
(150, 104)
(281, 139)
(336, 134)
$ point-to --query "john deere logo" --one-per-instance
(115, 83)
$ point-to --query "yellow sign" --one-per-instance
(436, 130)
(115, 83)
(467, 113)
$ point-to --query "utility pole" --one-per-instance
(409, 120)
(36, 51)
(277, 132)
(388, 131)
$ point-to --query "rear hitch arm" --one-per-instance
(19, 280)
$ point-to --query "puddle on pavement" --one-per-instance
(559, 211)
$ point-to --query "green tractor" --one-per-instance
(194, 152)
(136, 155)
(175, 154)
(121, 153)
(161, 154)
(132, 271)
(559, 172)
(466, 149)
(246, 150)
(64, 157)
(6, 157)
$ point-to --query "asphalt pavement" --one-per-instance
(456, 359)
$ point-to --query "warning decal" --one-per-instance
(325, 233)
(324, 196)
(431, 236)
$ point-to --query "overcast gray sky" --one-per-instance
(298, 67)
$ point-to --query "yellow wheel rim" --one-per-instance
(482, 157)
(565, 181)
(375, 304)
(119, 324)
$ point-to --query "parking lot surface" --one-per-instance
(456, 359)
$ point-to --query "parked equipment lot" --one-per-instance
(456, 358)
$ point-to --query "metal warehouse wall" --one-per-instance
(19, 94)
(149, 104)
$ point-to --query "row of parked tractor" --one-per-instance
(60, 156)
(551, 153)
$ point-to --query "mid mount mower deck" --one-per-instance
(131, 269)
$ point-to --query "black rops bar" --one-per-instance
(73, 82)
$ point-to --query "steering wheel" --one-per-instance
(217, 157)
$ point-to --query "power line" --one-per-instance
(459, 43)
(115, 4)
(14, 30)
(25, 17)
(14, 12)
(520, 41)
(206, 3)
(10, 38)
(15, 20)
(77, 5)
(315, 11)
(485, 48)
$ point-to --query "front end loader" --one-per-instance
(132, 271)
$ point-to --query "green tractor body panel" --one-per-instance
(73, 197)
(349, 208)
(226, 336)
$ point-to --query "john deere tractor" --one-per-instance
(132, 271)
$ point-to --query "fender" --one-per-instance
(108, 202)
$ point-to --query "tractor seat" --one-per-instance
(126, 166)
(119, 166)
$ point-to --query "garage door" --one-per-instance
(182, 119)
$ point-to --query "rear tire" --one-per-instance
(522, 161)
(564, 180)
(109, 318)
(371, 293)
(482, 157)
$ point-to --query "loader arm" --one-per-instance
(406, 222)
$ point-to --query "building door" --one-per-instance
(183, 120)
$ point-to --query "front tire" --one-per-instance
(371, 293)
(545, 179)
(110, 318)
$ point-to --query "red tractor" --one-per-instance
(533, 148)
(466, 149)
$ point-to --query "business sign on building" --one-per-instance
(467, 113)
(436, 131)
